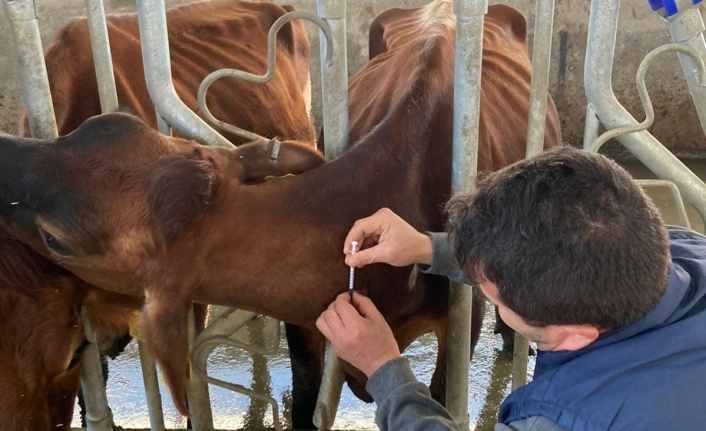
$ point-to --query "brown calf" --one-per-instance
(43, 340)
(122, 206)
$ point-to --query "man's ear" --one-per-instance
(573, 337)
(261, 159)
(180, 189)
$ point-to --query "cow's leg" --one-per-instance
(306, 353)
(506, 332)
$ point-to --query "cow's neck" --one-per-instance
(288, 234)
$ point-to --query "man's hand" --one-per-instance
(358, 333)
(386, 238)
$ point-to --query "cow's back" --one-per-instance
(203, 37)
(413, 50)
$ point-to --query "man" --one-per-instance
(578, 260)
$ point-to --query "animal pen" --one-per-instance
(681, 17)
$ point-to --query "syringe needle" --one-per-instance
(354, 248)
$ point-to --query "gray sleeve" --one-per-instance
(443, 261)
(403, 402)
(532, 423)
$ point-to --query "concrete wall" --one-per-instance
(641, 31)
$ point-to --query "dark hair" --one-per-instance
(568, 238)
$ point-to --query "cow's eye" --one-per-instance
(55, 245)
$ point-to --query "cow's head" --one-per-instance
(125, 207)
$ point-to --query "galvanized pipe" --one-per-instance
(329, 391)
(541, 57)
(152, 394)
(334, 90)
(259, 79)
(197, 391)
(699, 74)
(334, 78)
(600, 50)
(683, 218)
(470, 15)
(158, 74)
(224, 325)
(590, 131)
(204, 349)
(97, 28)
(687, 28)
(98, 415)
(27, 45)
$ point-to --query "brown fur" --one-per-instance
(203, 37)
(275, 247)
(39, 315)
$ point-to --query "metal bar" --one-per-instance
(699, 73)
(149, 377)
(98, 415)
(541, 57)
(29, 55)
(224, 326)
(676, 197)
(600, 50)
(590, 131)
(334, 90)
(97, 28)
(520, 358)
(470, 15)
(204, 349)
(687, 28)
(260, 79)
(162, 125)
(197, 392)
(152, 17)
(334, 78)
(329, 391)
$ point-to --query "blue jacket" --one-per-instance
(650, 375)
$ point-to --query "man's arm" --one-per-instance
(403, 402)
(443, 261)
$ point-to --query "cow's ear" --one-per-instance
(180, 189)
(262, 159)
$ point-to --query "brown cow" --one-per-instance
(120, 205)
(203, 37)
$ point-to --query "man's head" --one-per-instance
(566, 238)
